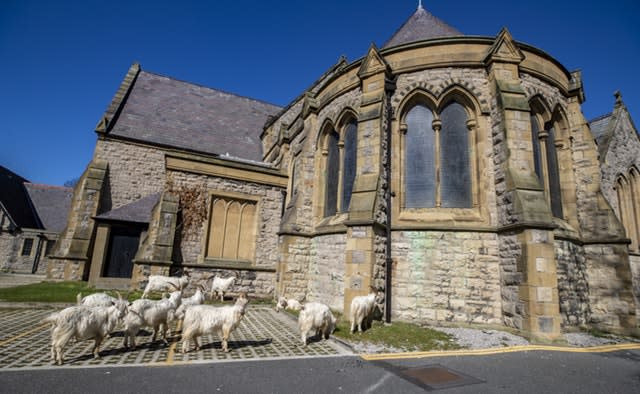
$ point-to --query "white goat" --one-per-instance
(150, 313)
(204, 319)
(318, 317)
(362, 308)
(99, 299)
(290, 303)
(196, 299)
(165, 283)
(83, 322)
(221, 285)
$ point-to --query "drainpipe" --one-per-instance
(389, 195)
(36, 259)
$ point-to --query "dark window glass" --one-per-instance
(420, 171)
(50, 244)
(455, 173)
(333, 168)
(535, 140)
(349, 167)
(27, 246)
(554, 175)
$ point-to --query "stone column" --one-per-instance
(154, 256)
(74, 247)
(366, 237)
(527, 214)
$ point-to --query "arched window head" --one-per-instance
(545, 155)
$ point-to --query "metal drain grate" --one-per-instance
(431, 377)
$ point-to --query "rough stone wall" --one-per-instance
(304, 178)
(295, 282)
(274, 133)
(610, 287)
(573, 283)
(135, 171)
(510, 252)
(10, 245)
(446, 276)
(266, 248)
(551, 94)
(326, 270)
(623, 153)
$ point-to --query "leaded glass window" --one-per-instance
(455, 171)
(535, 140)
(349, 163)
(420, 169)
(555, 193)
(332, 175)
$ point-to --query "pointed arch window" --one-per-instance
(437, 158)
(455, 165)
(545, 159)
(627, 189)
(349, 162)
(332, 175)
(420, 168)
(341, 154)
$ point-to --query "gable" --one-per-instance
(15, 200)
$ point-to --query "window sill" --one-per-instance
(244, 265)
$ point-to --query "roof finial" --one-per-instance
(419, 4)
(618, 97)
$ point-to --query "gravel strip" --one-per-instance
(470, 338)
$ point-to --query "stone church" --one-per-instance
(456, 173)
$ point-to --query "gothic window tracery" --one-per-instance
(437, 157)
(340, 161)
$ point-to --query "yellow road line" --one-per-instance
(512, 349)
(2, 343)
(172, 348)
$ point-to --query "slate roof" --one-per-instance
(15, 200)
(422, 25)
(136, 212)
(169, 112)
(599, 126)
(52, 204)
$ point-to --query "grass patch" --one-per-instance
(47, 292)
(398, 335)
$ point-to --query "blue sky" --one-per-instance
(62, 61)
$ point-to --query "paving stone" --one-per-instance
(263, 333)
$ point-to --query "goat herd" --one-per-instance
(97, 315)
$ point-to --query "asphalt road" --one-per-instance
(521, 372)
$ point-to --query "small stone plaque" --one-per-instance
(541, 264)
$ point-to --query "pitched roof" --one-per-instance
(14, 199)
(136, 212)
(599, 127)
(165, 111)
(52, 204)
(422, 25)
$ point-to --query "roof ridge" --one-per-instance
(210, 88)
(42, 185)
(597, 118)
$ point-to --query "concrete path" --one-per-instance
(11, 279)
(262, 334)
